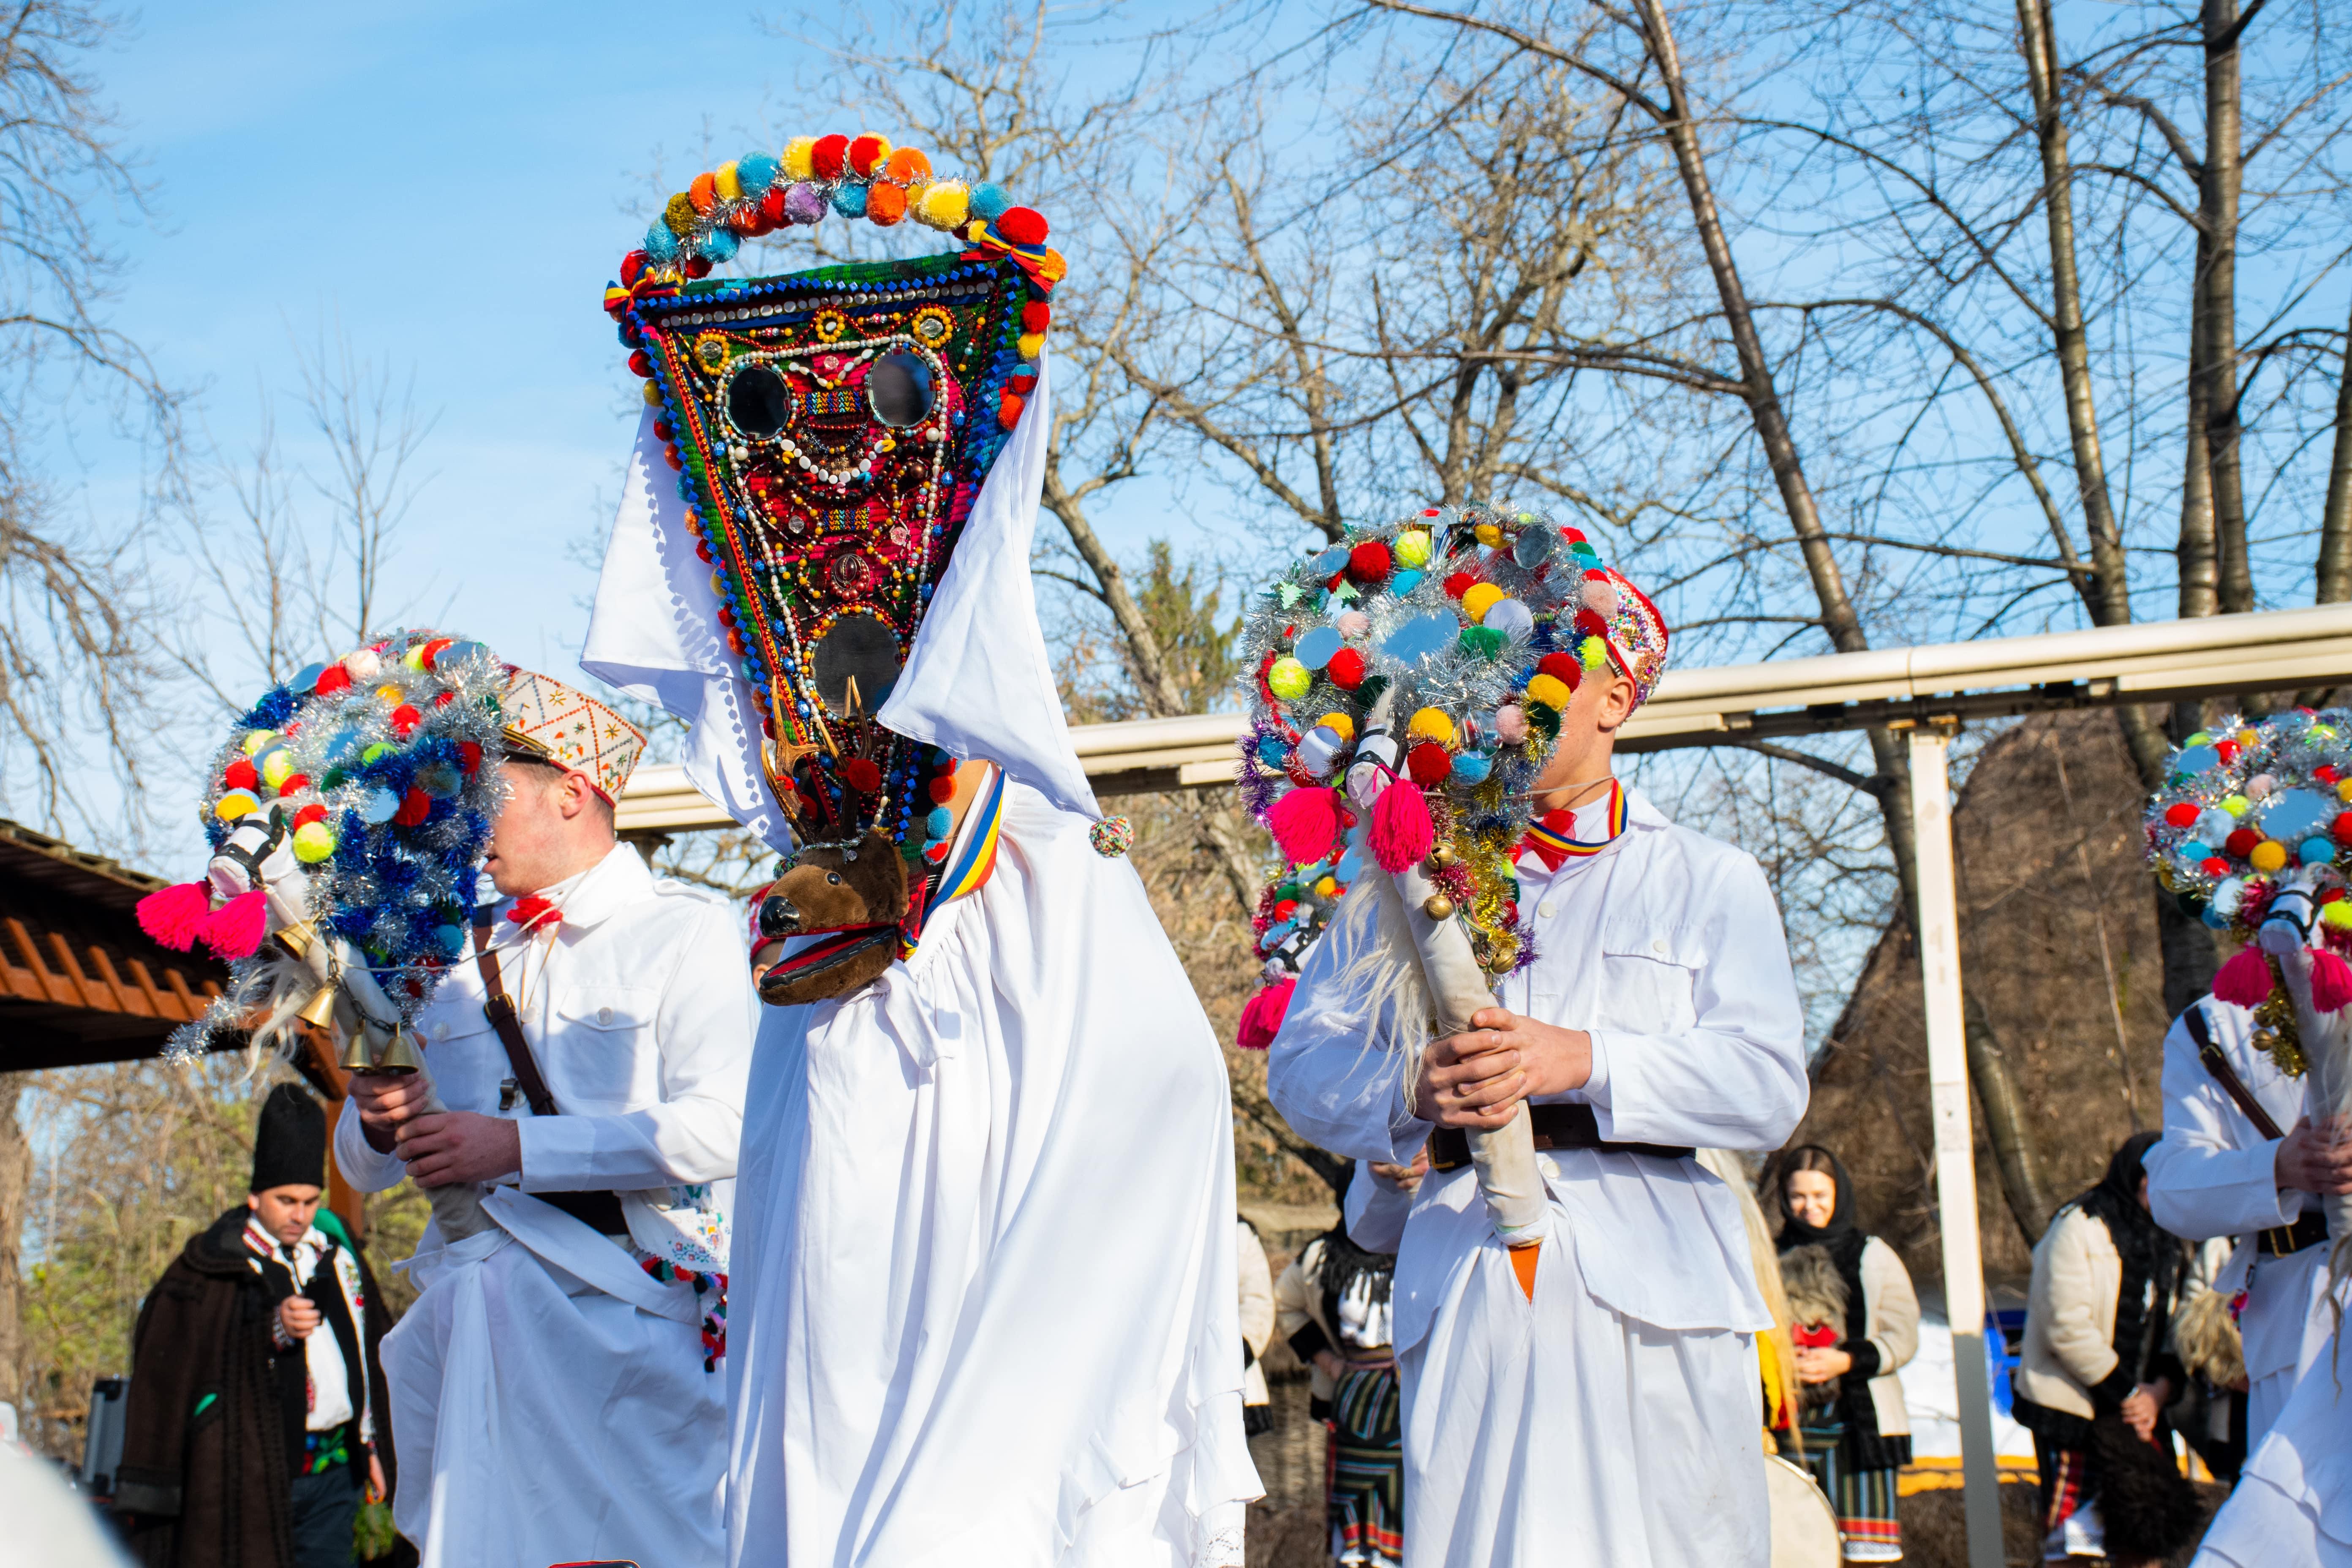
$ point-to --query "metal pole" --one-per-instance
(1956, 1166)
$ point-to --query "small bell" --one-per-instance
(1441, 856)
(355, 1053)
(1437, 907)
(320, 1010)
(400, 1056)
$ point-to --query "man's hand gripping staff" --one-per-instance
(2319, 985)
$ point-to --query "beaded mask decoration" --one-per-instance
(2249, 811)
(831, 430)
(1406, 686)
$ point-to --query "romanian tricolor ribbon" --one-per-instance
(1548, 837)
(972, 860)
(1043, 264)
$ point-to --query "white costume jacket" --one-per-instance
(1619, 1410)
(548, 1393)
(985, 1311)
(2212, 1174)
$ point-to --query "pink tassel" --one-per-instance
(1261, 1015)
(235, 929)
(2245, 981)
(174, 916)
(1401, 832)
(2331, 982)
(1306, 824)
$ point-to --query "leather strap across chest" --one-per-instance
(2217, 1064)
(499, 1009)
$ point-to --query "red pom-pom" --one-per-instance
(1306, 824)
(2344, 826)
(1461, 582)
(772, 207)
(2214, 866)
(444, 698)
(469, 756)
(670, 456)
(2180, 814)
(942, 789)
(2226, 749)
(641, 363)
(1022, 226)
(2331, 982)
(1591, 625)
(697, 266)
(1346, 669)
(860, 774)
(1401, 832)
(1036, 316)
(2241, 842)
(1369, 562)
(1263, 1014)
(235, 929)
(2245, 981)
(1429, 762)
(633, 267)
(334, 678)
(404, 720)
(314, 812)
(295, 785)
(865, 151)
(241, 774)
(829, 156)
(413, 807)
(1286, 909)
(174, 916)
(1008, 410)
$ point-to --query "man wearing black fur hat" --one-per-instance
(255, 1422)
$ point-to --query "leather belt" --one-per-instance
(2283, 1241)
(1569, 1126)
(600, 1212)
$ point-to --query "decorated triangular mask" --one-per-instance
(831, 430)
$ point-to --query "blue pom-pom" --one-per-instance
(849, 200)
(938, 821)
(989, 201)
(660, 243)
(720, 245)
(755, 172)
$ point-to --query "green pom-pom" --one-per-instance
(1482, 642)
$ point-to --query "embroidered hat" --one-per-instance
(547, 720)
(1630, 626)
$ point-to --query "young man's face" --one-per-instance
(285, 1212)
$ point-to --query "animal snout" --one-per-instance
(779, 917)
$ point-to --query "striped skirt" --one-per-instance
(1864, 1500)
(1366, 1469)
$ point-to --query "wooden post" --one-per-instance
(1955, 1170)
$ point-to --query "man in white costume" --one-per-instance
(1606, 1410)
(984, 1306)
(2240, 1157)
(555, 1386)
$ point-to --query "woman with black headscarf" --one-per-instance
(2095, 1374)
(1858, 1438)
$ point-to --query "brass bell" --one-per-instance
(320, 1010)
(401, 1056)
(355, 1054)
(1437, 907)
(296, 939)
(1441, 856)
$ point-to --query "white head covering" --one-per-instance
(978, 682)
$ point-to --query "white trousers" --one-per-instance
(2292, 1507)
(1560, 1433)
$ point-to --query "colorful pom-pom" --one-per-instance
(1429, 763)
(679, 214)
(1402, 833)
(849, 200)
(829, 158)
(867, 152)
(661, 242)
(174, 916)
(2183, 814)
(861, 775)
(724, 182)
(1112, 836)
(2245, 981)
(988, 201)
(416, 806)
(1346, 669)
(1550, 690)
(313, 842)
(1306, 824)
(334, 678)
(235, 803)
(2241, 842)
(800, 158)
(1510, 723)
(1288, 680)
(1369, 562)
(241, 774)
(1432, 724)
(2331, 982)
(2268, 855)
(1263, 1014)
(885, 204)
(1412, 548)
(1339, 724)
(805, 204)
(1022, 226)
(702, 194)
(945, 204)
(755, 172)
(720, 245)
(907, 167)
(1460, 582)
(235, 929)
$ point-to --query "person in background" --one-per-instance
(256, 1419)
(2105, 1282)
(1333, 1308)
(1257, 1327)
(1855, 1444)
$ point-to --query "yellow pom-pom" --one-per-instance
(946, 205)
(2247, 737)
(2338, 914)
(1550, 691)
(1481, 598)
(1339, 724)
(800, 157)
(277, 767)
(1327, 886)
(653, 396)
(236, 803)
(256, 739)
(1412, 548)
(377, 752)
(1031, 345)
(390, 693)
(2270, 855)
(1487, 534)
(1288, 679)
(728, 183)
(2344, 790)
(313, 842)
(2235, 805)
(1593, 653)
(1432, 724)
(679, 214)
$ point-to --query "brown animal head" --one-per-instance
(853, 899)
(1817, 1304)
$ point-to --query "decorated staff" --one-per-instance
(983, 1075)
(1563, 995)
(347, 812)
(2252, 833)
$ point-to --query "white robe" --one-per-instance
(984, 1308)
(2292, 1506)
(547, 1395)
(2212, 1174)
(1615, 1418)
